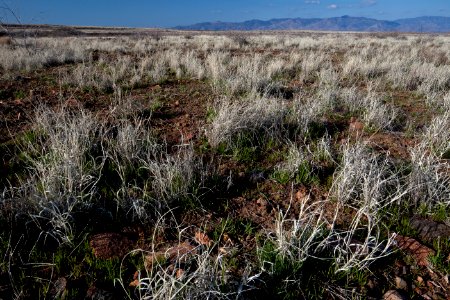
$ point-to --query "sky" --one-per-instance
(169, 13)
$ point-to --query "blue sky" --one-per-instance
(141, 13)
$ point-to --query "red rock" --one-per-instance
(180, 253)
(356, 125)
(301, 195)
(393, 295)
(183, 251)
(152, 259)
(418, 251)
(261, 202)
(179, 273)
(189, 136)
(134, 283)
(110, 245)
(72, 103)
(202, 238)
(400, 283)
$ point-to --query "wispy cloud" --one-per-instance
(369, 2)
(332, 6)
(312, 1)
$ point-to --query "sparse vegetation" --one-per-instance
(213, 166)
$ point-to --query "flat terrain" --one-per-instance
(158, 164)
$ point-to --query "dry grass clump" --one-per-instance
(33, 54)
(254, 116)
(107, 74)
(67, 154)
(365, 184)
(62, 155)
(296, 157)
(366, 179)
(311, 64)
(376, 114)
(429, 179)
(172, 176)
(134, 149)
(368, 184)
(189, 271)
(62, 173)
(331, 97)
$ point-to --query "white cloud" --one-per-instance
(369, 2)
(312, 1)
(332, 6)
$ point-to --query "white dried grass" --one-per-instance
(256, 116)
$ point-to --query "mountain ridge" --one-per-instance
(436, 24)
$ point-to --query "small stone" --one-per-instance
(202, 238)
(427, 297)
(189, 136)
(393, 295)
(223, 250)
(261, 202)
(418, 291)
(371, 284)
(226, 238)
(177, 103)
(179, 273)
(301, 195)
(134, 283)
(136, 275)
(181, 253)
(59, 288)
(419, 280)
(72, 103)
(355, 125)
(400, 283)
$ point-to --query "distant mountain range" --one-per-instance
(344, 23)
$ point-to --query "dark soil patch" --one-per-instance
(181, 107)
(396, 145)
